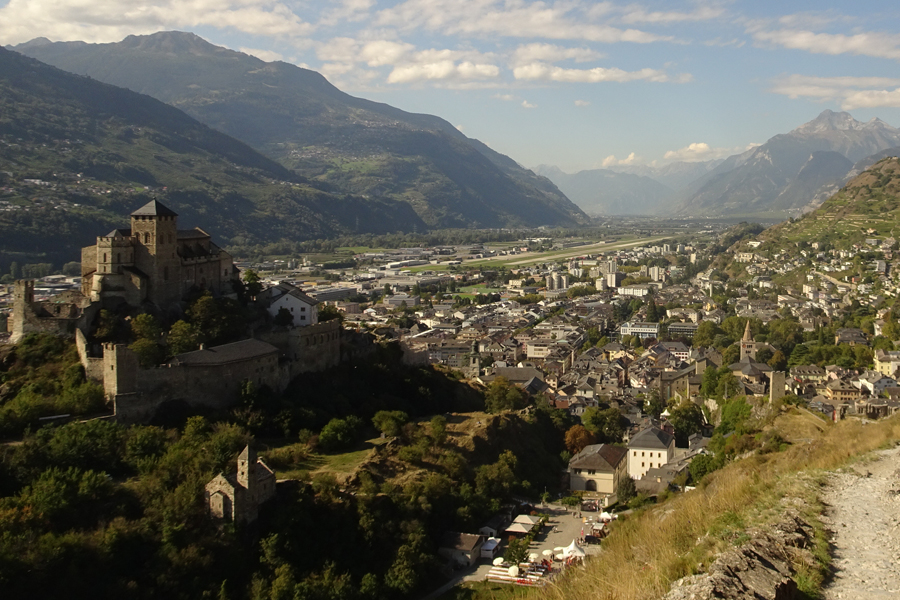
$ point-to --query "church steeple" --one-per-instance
(748, 346)
(747, 337)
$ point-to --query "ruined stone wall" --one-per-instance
(93, 365)
(61, 317)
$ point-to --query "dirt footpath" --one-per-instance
(863, 515)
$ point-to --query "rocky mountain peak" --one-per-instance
(171, 42)
(829, 120)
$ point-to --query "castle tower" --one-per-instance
(776, 385)
(154, 228)
(246, 468)
(748, 346)
(19, 323)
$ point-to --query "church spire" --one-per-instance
(747, 337)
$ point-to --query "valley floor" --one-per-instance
(864, 517)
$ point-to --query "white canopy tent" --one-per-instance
(573, 550)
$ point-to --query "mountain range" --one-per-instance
(349, 145)
(77, 156)
(789, 174)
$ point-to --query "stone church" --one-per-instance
(154, 262)
(236, 497)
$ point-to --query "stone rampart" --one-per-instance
(136, 393)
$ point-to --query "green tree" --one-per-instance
(710, 382)
(438, 426)
(731, 355)
(72, 269)
(340, 433)
(516, 551)
(702, 465)
(784, 334)
(145, 327)
(253, 282)
(283, 318)
(687, 419)
(390, 422)
(14, 270)
(107, 326)
(497, 480)
(653, 403)
(182, 338)
(502, 395)
(330, 312)
(800, 355)
(778, 361)
(652, 311)
(604, 425)
(727, 385)
(626, 490)
(706, 333)
(149, 353)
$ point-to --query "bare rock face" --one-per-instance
(759, 569)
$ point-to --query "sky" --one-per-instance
(570, 83)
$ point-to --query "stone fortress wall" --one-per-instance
(273, 360)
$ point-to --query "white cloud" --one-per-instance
(611, 160)
(545, 72)
(562, 19)
(719, 42)
(504, 97)
(639, 15)
(444, 69)
(872, 99)
(347, 10)
(112, 20)
(879, 45)
(698, 151)
(408, 65)
(851, 92)
(582, 103)
(529, 53)
(527, 104)
(384, 52)
(266, 55)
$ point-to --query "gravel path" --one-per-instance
(864, 517)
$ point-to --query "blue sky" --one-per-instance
(571, 83)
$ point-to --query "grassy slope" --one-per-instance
(869, 201)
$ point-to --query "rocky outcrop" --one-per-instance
(759, 569)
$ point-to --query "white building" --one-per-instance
(301, 306)
(640, 329)
(651, 448)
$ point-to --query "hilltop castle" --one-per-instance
(154, 262)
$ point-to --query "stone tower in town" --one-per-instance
(748, 346)
(154, 229)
